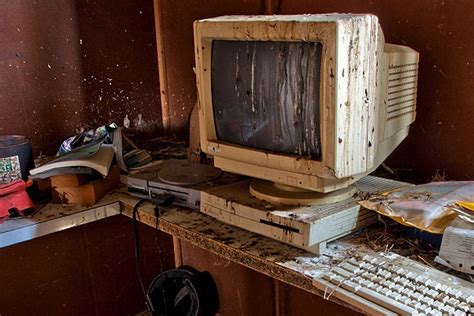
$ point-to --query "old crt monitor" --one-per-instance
(309, 103)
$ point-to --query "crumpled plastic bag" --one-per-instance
(102, 134)
(428, 207)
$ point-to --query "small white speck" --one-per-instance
(141, 12)
(80, 41)
(49, 66)
(18, 29)
(76, 112)
(100, 98)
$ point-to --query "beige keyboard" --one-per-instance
(380, 283)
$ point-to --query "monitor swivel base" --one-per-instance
(306, 227)
(283, 194)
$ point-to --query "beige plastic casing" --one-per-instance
(367, 97)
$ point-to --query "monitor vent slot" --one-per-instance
(402, 82)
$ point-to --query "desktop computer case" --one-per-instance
(306, 227)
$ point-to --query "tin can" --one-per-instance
(16, 158)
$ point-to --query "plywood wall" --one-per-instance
(87, 270)
(68, 65)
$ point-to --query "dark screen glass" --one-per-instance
(265, 95)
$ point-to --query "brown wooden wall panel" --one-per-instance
(120, 70)
(87, 270)
(296, 302)
(177, 18)
(241, 291)
(41, 95)
(67, 65)
(441, 31)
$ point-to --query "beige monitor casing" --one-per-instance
(367, 100)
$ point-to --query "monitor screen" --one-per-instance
(265, 95)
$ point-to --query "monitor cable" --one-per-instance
(158, 201)
(137, 243)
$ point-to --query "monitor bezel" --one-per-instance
(266, 30)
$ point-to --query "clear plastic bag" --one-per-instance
(428, 207)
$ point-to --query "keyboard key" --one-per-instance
(456, 293)
(463, 306)
(453, 302)
(343, 273)
(350, 286)
(419, 278)
(413, 304)
(354, 262)
(398, 288)
(422, 289)
(437, 305)
(369, 258)
(432, 293)
(333, 278)
(445, 289)
(403, 281)
(384, 291)
(350, 267)
(382, 300)
(448, 309)
(394, 295)
(406, 292)
(427, 300)
(417, 296)
(428, 283)
(437, 285)
(422, 308)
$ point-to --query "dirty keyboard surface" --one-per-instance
(398, 284)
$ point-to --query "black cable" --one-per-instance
(161, 200)
(160, 257)
(137, 243)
